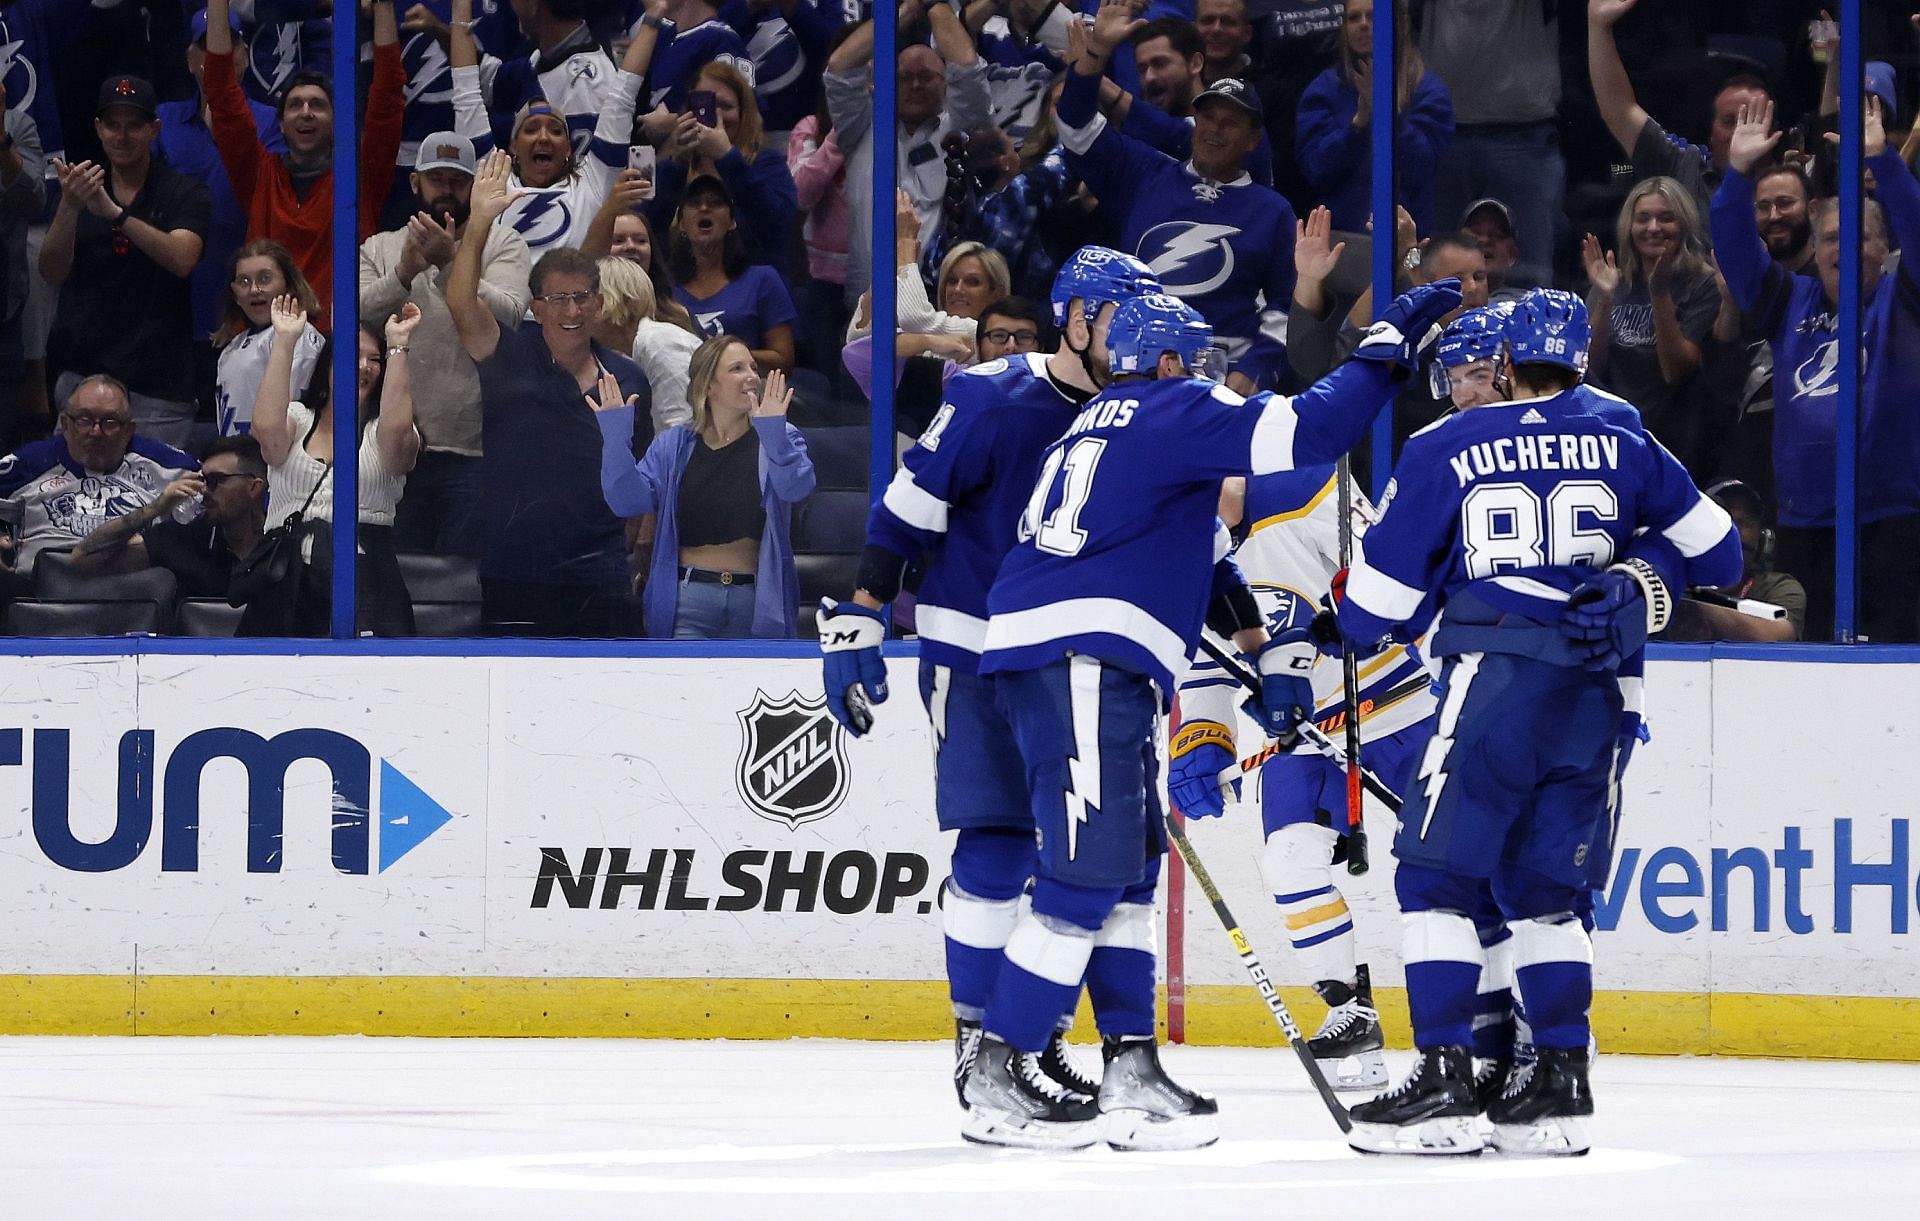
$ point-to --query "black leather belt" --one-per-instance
(707, 576)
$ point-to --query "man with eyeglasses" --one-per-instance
(230, 517)
(92, 471)
(554, 559)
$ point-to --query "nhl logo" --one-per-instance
(793, 759)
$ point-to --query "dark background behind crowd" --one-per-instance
(615, 270)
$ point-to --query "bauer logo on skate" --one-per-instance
(793, 759)
(407, 814)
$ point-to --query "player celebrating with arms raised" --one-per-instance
(1092, 614)
(1549, 539)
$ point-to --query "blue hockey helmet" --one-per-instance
(1478, 334)
(1153, 323)
(1549, 326)
(1097, 275)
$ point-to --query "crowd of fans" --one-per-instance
(615, 267)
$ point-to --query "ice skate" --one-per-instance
(1348, 1042)
(1544, 1109)
(1059, 1066)
(1431, 1113)
(1491, 1081)
(1146, 1109)
(1010, 1102)
(966, 1047)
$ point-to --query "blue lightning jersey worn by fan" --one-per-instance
(1119, 537)
(959, 493)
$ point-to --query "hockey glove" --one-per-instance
(1285, 666)
(1200, 752)
(1410, 325)
(1611, 614)
(856, 677)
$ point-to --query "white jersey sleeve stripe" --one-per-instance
(947, 626)
(1079, 139)
(1704, 525)
(914, 505)
(1273, 438)
(1380, 595)
(1082, 616)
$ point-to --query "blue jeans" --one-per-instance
(1519, 165)
(705, 610)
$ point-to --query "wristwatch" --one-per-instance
(662, 25)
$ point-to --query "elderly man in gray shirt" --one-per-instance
(441, 508)
(942, 89)
(1500, 60)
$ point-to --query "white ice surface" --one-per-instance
(377, 1128)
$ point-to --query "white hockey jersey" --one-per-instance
(1289, 557)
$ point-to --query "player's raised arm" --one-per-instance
(1333, 415)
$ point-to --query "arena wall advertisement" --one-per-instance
(691, 847)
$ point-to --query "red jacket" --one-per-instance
(265, 189)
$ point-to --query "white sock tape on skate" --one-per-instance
(1129, 926)
(1552, 939)
(1058, 958)
(1432, 936)
(983, 924)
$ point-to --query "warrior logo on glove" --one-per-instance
(793, 759)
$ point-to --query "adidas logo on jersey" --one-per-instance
(1533, 416)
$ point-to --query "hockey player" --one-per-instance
(1290, 556)
(1549, 539)
(956, 499)
(1092, 612)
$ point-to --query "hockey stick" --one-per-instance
(1750, 607)
(1306, 729)
(1350, 691)
(1325, 746)
(1261, 981)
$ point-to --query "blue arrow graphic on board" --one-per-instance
(407, 815)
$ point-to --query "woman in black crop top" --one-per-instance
(722, 487)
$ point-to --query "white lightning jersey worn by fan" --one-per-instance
(1289, 557)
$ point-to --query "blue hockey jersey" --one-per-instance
(678, 61)
(1119, 539)
(1225, 248)
(960, 490)
(1507, 508)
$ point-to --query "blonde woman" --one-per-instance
(629, 322)
(1653, 303)
(723, 486)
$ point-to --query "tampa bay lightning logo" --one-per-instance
(1191, 257)
(274, 55)
(777, 60)
(429, 72)
(1818, 375)
(710, 322)
(16, 70)
(543, 219)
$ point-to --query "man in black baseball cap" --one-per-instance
(1226, 129)
(121, 248)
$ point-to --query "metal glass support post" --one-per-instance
(1384, 215)
(885, 145)
(346, 317)
(1846, 416)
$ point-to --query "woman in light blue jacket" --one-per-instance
(723, 487)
